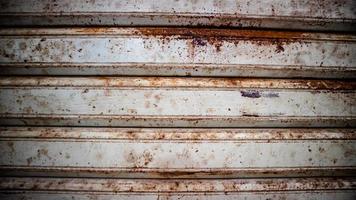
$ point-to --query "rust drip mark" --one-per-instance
(251, 94)
(217, 42)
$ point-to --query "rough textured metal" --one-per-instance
(293, 188)
(122, 134)
(295, 195)
(176, 102)
(176, 51)
(177, 153)
(285, 14)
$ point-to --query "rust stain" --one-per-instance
(99, 156)
(321, 150)
(350, 153)
(314, 84)
(147, 104)
(199, 42)
(279, 48)
(147, 156)
(157, 97)
(11, 145)
(139, 160)
(29, 160)
(216, 37)
(43, 152)
(200, 33)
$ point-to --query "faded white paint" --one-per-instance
(288, 14)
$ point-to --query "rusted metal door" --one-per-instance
(176, 52)
(332, 15)
(188, 112)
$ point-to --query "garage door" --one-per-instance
(177, 99)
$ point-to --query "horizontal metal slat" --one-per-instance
(295, 195)
(312, 15)
(176, 51)
(176, 102)
(44, 188)
(146, 185)
(172, 134)
(177, 153)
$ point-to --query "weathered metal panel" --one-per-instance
(332, 15)
(176, 102)
(177, 153)
(125, 135)
(176, 51)
(64, 188)
(290, 195)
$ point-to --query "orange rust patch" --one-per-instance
(202, 32)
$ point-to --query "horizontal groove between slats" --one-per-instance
(176, 121)
(311, 194)
(190, 82)
(177, 32)
(177, 15)
(179, 173)
(195, 134)
(141, 185)
(165, 69)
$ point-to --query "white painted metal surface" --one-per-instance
(177, 153)
(176, 102)
(61, 188)
(294, 195)
(93, 111)
(287, 14)
(183, 52)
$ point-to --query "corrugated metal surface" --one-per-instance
(176, 102)
(62, 188)
(176, 51)
(113, 112)
(286, 14)
(177, 153)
